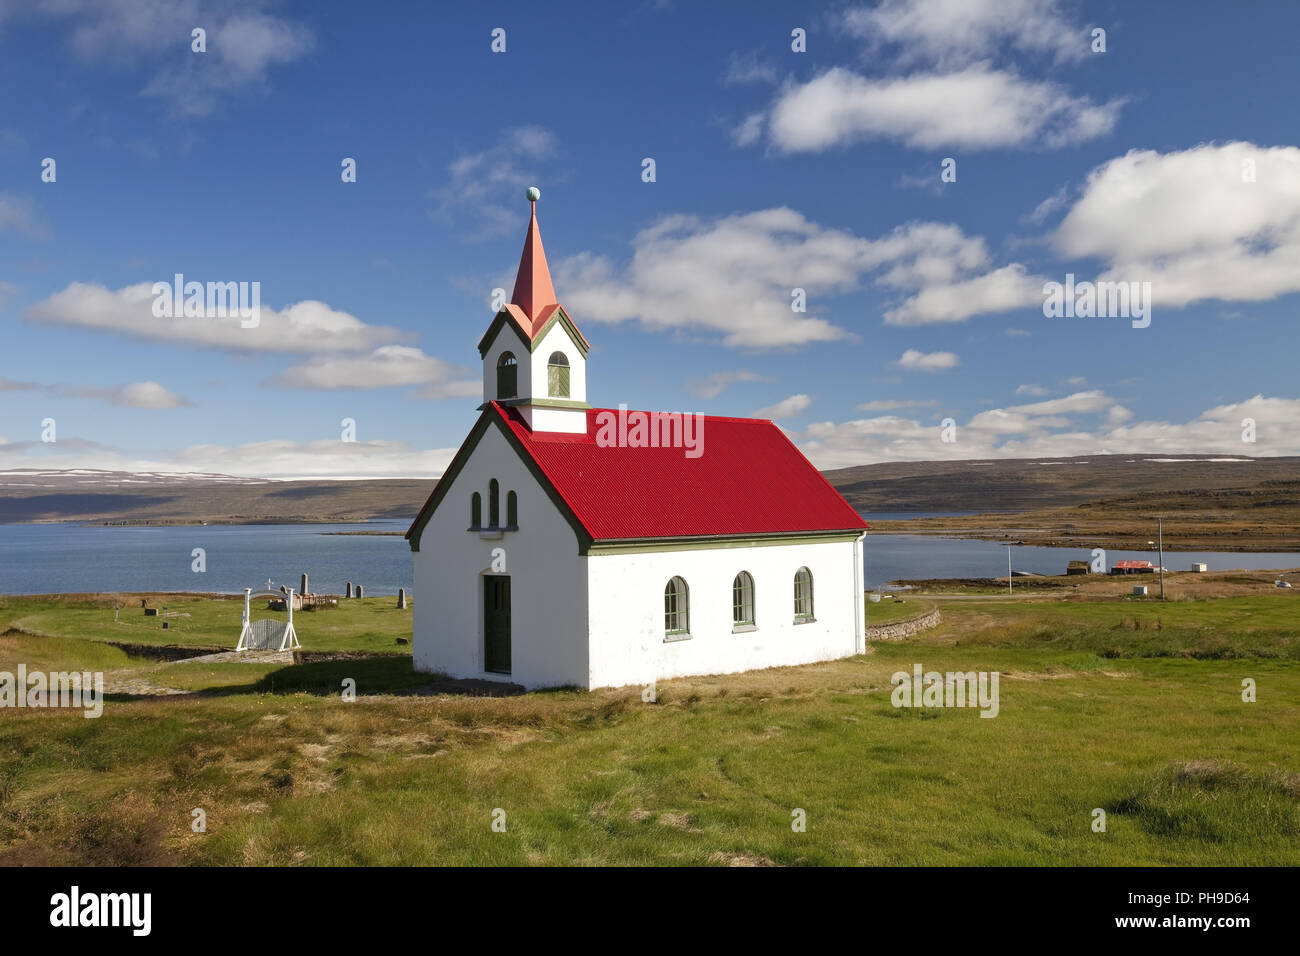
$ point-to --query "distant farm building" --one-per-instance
(1200, 567)
(1078, 567)
(1133, 567)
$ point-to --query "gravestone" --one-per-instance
(360, 592)
(303, 589)
(349, 594)
(401, 599)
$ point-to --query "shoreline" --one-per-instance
(1199, 540)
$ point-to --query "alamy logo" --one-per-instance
(953, 689)
(57, 689)
(651, 430)
(1103, 300)
(216, 300)
(134, 910)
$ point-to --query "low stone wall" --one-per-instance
(164, 652)
(899, 630)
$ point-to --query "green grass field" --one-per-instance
(1131, 707)
(890, 609)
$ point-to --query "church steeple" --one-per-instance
(533, 289)
(534, 356)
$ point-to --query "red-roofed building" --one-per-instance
(571, 545)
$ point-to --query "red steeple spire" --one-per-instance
(533, 289)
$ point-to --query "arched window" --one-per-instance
(507, 376)
(494, 504)
(677, 608)
(803, 595)
(512, 510)
(557, 375)
(476, 510)
(742, 600)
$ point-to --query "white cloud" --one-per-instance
(308, 326)
(731, 276)
(1030, 390)
(277, 458)
(488, 186)
(974, 108)
(749, 130)
(135, 395)
(917, 361)
(243, 44)
(8, 292)
(1079, 402)
(889, 405)
(385, 367)
(1056, 429)
(788, 407)
(1001, 290)
(1191, 225)
(715, 384)
(744, 68)
(1057, 201)
(18, 214)
(956, 32)
(735, 275)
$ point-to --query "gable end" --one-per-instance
(492, 416)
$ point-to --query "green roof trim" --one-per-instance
(541, 403)
(559, 315)
(705, 542)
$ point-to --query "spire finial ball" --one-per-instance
(533, 194)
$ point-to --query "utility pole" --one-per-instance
(1160, 538)
(1008, 569)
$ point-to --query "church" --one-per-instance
(562, 547)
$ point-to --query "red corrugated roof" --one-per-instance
(750, 479)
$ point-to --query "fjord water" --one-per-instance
(66, 559)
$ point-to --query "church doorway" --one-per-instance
(496, 623)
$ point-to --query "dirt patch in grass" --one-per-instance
(741, 859)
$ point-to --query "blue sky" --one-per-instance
(774, 169)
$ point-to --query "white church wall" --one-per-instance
(627, 611)
(557, 339)
(548, 580)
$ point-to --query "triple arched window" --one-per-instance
(494, 509)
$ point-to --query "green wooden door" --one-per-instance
(496, 624)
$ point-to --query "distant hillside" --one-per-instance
(1000, 485)
(1030, 484)
(122, 498)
